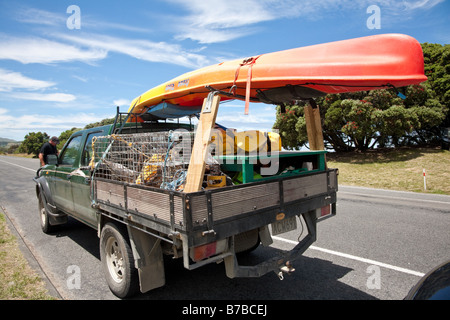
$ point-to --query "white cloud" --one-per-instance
(421, 4)
(82, 79)
(140, 49)
(40, 50)
(49, 97)
(13, 84)
(211, 35)
(122, 102)
(10, 80)
(97, 24)
(48, 18)
(260, 117)
(227, 14)
(217, 21)
(89, 48)
(16, 127)
(41, 17)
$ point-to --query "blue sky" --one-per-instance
(59, 72)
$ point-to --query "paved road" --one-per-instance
(377, 247)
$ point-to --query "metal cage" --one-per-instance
(158, 159)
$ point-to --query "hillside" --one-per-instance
(4, 142)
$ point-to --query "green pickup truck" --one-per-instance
(445, 143)
(107, 177)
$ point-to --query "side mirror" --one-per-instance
(52, 159)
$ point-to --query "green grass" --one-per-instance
(17, 280)
(399, 169)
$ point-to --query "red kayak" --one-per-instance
(374, 62)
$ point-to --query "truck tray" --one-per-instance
(215, 214)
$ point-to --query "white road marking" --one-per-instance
(34, 170)
(349, 256)
(390, 197)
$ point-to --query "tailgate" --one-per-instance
(229, 211)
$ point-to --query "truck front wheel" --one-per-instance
(117, 261)
(43, 215)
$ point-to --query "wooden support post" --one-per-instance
(196, 170)
(314, 127)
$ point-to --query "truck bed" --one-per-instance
(215, 214)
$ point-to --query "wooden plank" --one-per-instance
(206, 123)
(314, 128)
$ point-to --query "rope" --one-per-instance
(179, 177)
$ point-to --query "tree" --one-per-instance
(287, 123)
(64, 136)
(437, 69)
(363, 120)
(33, 142)
(100, 123)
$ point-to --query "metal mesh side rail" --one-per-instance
(154, 159)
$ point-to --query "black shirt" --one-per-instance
(47, 149)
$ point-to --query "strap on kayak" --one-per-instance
(246, 62)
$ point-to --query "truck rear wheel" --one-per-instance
(117, 261)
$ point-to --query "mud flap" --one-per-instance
(55, 216)
(148, 258)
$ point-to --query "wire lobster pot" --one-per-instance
(158, 159)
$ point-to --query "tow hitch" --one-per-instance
(287, 268)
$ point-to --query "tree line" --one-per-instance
(33, 141)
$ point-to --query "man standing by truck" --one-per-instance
(48, 148)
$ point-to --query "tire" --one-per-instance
(44, 217)
(246, 242)
(117, 261)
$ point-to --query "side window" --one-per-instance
(70, 153)
(87, 151)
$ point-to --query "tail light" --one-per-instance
(324, 211)
(207, 250)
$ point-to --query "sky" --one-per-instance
(65, 64)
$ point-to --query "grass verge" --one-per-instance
(395, 169)
(17, 280)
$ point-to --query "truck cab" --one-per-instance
(445, 139)
(69, 178)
